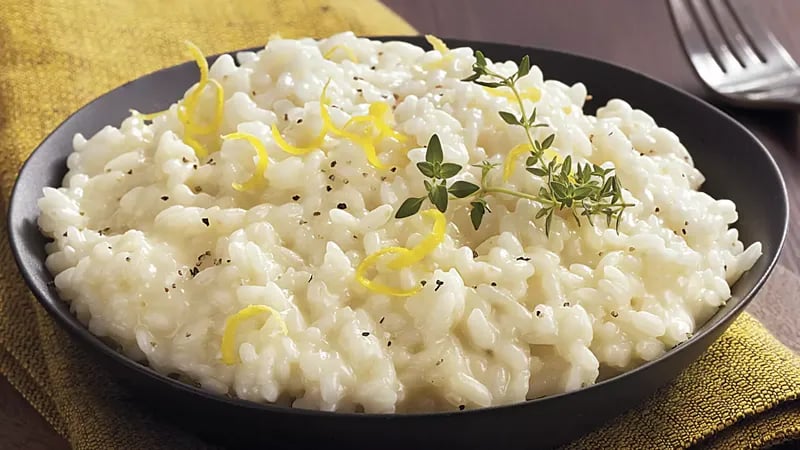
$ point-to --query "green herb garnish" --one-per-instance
(585, 189)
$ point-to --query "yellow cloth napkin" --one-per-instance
(59, 54)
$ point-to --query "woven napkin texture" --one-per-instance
(59, 54)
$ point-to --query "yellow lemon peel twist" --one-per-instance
(427, 245)
(365, 141)
(406, 257)
(440, 47)
(437, 44)
(297, 149)
(509, 165)
(263, 160)
(378, 112)
(347, 50)
(187, 110)
(228, 347)
(511, 159)
(381, 288)
(377, 118)
(327, 122)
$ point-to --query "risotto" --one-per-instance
(247, 240)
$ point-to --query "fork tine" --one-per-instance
(694, 43)
(763, 40)
(740, 45)
(715, 39)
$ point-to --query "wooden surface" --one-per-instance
(634, 33)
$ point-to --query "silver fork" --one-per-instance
(736, 55)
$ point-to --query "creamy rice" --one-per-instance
(154, 249)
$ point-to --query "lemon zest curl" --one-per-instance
(406, 257)
(377, 119)
(365, 141)
(297, 149)
(347, 50)
(427, 245)
(440, 47)
(228, 347)
(509, 165)
(263, 160)
(381, 288)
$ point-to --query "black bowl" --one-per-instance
(722, 149)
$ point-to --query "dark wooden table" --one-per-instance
(634, 33)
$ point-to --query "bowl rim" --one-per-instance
(73, 325)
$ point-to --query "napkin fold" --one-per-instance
(59, 54)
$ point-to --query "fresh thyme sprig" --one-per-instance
(437, 172)
(585, 189)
